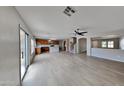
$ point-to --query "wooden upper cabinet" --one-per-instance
(41, 41)
(46, 42)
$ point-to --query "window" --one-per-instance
(107, 44)
(104, 44)
(110, 44)
(32, 46)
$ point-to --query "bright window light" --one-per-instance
(110, 44)
(104, 44)
(32, 46)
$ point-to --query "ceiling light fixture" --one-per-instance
(69, 11)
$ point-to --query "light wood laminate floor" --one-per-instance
(64, 69)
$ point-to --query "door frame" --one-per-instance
(19, 29)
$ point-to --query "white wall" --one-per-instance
(77, 45)
(88, 46)
(122, 43)
(9, 46)
(112, 54)
(67, 45)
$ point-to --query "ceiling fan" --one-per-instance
(77, 32)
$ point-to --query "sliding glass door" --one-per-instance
(23, 52)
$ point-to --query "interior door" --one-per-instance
(24, 52)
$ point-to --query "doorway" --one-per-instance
(82, 45)
(64, 46)
(23, 52)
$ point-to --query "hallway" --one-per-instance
(64, 69)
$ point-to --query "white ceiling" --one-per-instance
(51, 22)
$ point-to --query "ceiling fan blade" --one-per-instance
(83, 32)
(75, 31)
